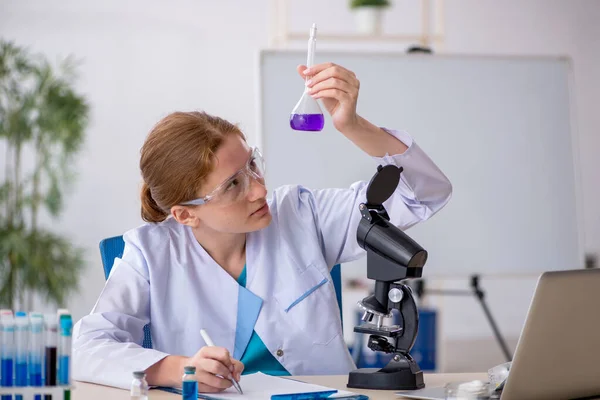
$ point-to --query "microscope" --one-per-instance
(392, 257)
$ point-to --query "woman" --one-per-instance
(216, 254)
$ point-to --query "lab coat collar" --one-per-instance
(249, 306)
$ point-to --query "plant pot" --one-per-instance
(368, 20)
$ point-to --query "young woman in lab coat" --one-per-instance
(216, 254)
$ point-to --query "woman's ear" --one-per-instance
(183, 215)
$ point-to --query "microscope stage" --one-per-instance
(372, 329)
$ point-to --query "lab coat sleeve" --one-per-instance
(107, 342)
(423, 190)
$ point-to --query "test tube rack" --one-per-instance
(29, 392)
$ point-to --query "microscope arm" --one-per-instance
(401, 299)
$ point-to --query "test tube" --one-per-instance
(59, 313)
(21, 338)
(50, 352)
(3, 312)
(64, 353)
(7, 353)
(36, 350)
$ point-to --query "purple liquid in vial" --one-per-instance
(307, 122)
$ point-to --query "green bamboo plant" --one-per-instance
(42, 125)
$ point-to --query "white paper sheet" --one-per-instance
(260, 386)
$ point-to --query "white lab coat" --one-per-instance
(167, 279)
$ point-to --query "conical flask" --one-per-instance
(307, 114)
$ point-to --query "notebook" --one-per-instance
(262, 386)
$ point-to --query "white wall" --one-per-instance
(140, 61)
(143, 59)
(545, 27)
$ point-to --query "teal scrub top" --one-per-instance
(256, 357)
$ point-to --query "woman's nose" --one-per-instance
(257, 190)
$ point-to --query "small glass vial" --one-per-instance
(139, 386)
(189, 384)
(474, 390)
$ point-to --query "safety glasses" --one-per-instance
(235, 187)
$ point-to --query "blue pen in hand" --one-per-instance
(209, 342)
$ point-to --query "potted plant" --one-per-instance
(42, 124)
(368, 15)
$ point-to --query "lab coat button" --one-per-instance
(279, 353)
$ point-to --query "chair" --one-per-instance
(111, 248)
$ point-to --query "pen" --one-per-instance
(209, 342)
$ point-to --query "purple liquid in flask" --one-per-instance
(307, 115)
(307, 122)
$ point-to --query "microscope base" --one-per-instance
(397, 375)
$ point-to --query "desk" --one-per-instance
(90, 391)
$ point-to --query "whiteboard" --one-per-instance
(499, 128)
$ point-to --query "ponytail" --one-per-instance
(151, 211)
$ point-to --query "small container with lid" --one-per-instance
(189, 383)
(474, 390)
(139, 386)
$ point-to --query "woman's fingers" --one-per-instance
(333, 83)
(215, 367)
(317, 68)
(330, 72)
(211, 383)
(220, 354)
(238, 368)
(318, 73)
(300, 69)
(337, 94)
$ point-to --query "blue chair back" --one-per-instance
(111, 248)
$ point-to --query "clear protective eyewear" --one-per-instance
(235, 187)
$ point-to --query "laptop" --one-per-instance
(558, 353)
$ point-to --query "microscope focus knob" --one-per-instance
(395, 295)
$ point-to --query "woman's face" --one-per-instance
(235, 208)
